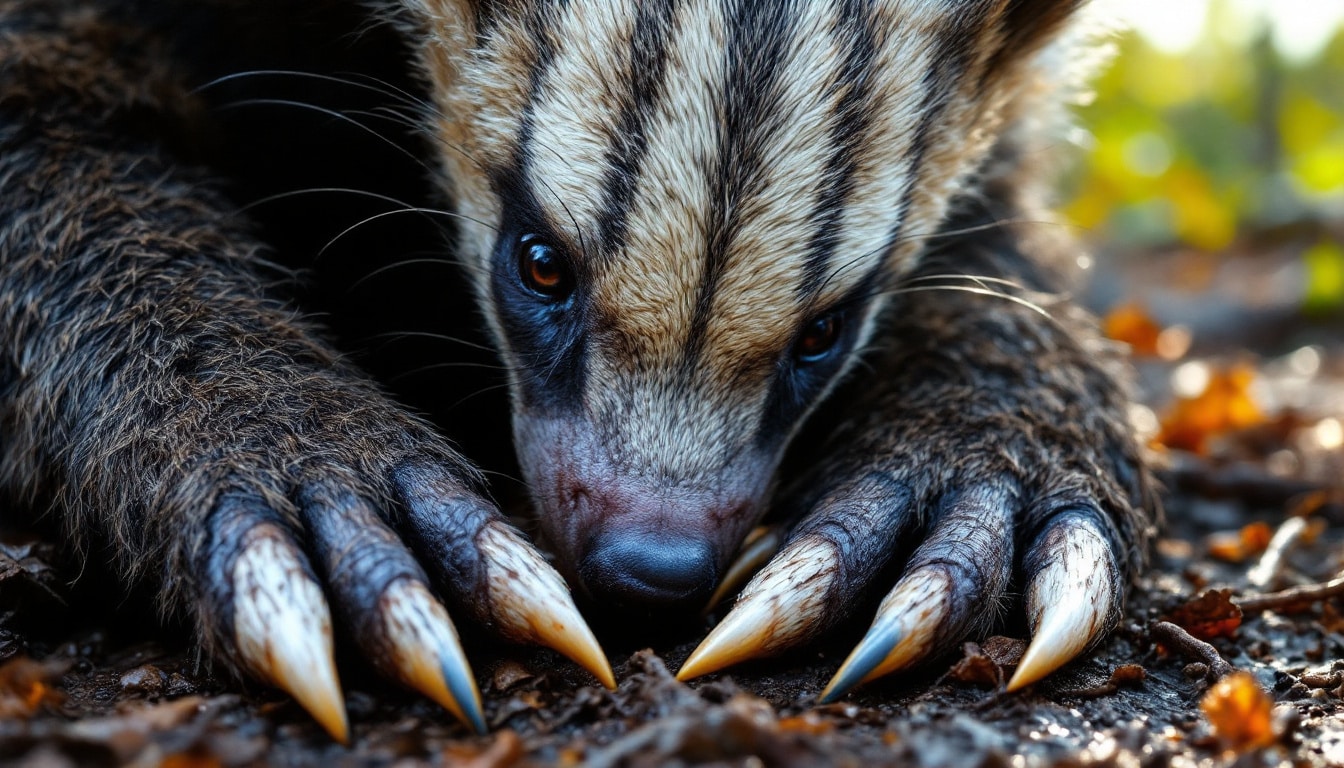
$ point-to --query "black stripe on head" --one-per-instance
(536, 24)
(759, 34)
(956, 45)
(546, 341)
(648, 62)
(848, 132)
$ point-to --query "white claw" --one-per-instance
(903, 633)
(426, 653)
(756, 551)
(282, 627)
(532, 604)
(779, 608)
(1069, 600)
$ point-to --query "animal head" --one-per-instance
(681, 217)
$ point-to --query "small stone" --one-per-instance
(1196, 670)
(145, 679)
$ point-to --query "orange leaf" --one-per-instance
(1224, 406)
(1212, 614)
(25, 687)
(808, 723)
(1237, 547)
(1240, 713)
(190, 760)
(1131, 324)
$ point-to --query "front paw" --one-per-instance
(369, 512)
(974, 504)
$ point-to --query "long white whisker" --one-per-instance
(444, 364)
(384, 214)
(386, 89)
(394, 335)
(968, 289)
(329, 113)
(313, 190)
(402, 263)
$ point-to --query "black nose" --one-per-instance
(631, 568)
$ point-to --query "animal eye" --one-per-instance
(818, 339)
(542, 268)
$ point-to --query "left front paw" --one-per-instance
(983, 496)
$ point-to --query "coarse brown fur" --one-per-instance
(154, 364)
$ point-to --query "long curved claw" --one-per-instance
(1073, 595)
(759, 547)
(831, 557)
(961, 568)
(490, 570)
(381, 593)
(425, 652)
(282, 627)
(903, 633)
(531, 604)
(782, 606)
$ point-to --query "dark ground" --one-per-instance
(95, 685)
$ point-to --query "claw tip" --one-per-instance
(425, 652)
(282, 628)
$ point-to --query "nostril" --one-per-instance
(641, 567)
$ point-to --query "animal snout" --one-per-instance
(640, 567)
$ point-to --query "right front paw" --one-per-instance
(379, 541)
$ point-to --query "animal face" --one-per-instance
(683, 216)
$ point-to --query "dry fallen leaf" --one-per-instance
(191, 760)
(1128, 674)
(808, 722)
(26, 687)
(1131, 324)
(1224, 406)
(1331, 620)
(1239, 546)
(504, 750)
(1212, 614)
(978, 666)
(1240, 713)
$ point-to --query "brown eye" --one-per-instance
(818, 339)
(543, 269)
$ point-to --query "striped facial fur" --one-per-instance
(683, 215)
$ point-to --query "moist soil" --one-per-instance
(98, 695)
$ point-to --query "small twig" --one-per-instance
(1266, 572)
(1293, 597)
(1177, 639)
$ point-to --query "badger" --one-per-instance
(741, 260)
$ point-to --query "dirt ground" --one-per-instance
(99, 686)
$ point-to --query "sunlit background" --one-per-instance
(1221, 121)
(1212, 190)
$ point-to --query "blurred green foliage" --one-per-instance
(1221, 141)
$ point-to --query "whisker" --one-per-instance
(934, 236)
(969, 289)
(441, 365)
(314, 190)
(394, 335)
(386, 89)
(455, 263)
(973, 278)
(583, 246)
(407, 97)
(477, 393)
(384, 214)
(334, 114)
